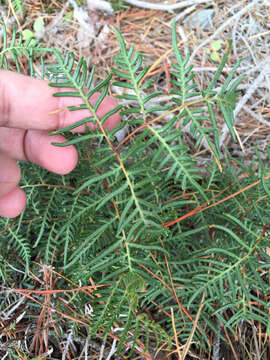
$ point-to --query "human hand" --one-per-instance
(25, 121)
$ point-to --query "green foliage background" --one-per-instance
(105, 221)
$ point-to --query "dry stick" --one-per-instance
(14, 13)
(216, 343)
(257, 82)
(168, 7)
(178, 350)
(69, 341)
(257, 351)
(204, 206)
(183, 14)
(224, 26)
(195, 324)
(256, 116)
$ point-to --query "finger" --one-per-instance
(13, 203)
(10, 175)
(35, 146)
(39, 150)
(27, 103)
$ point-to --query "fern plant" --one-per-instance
(137, 217)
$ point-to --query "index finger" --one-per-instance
(28, 103)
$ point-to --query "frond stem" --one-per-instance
(165, 114)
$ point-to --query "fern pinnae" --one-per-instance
(180, 63)
(68, 230)
(49, 246)
(105, 309)
(71, 126)
(133, 193)
(111, 195)
(73, 141)
(86, 244)
(22, 247)
(132, 64)
(111, 262)
(229, 79)
(124, 332)
(241, 225)
(180, 163)
(80, 73)
(89, 242)
(97, 178)
(219, 70)
(45, 217)
(74, 219)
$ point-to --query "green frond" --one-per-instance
(193, 111)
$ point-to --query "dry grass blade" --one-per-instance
(187, 345)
